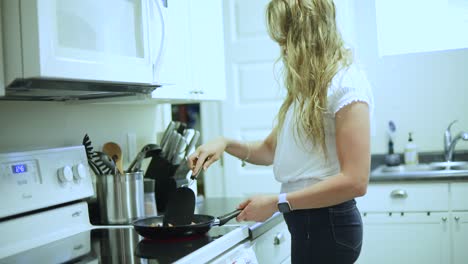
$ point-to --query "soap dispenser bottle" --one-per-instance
(411, 152)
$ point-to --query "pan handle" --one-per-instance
(225, 218)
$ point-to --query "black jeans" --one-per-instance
(325, 235)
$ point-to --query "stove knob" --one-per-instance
(65, 174)
(79, 172)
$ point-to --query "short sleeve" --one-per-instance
(351, 86)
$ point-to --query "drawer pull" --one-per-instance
(444, 219)
(400, 194)
(457, 218)
(277, 240)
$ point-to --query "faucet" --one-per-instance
(449, 143)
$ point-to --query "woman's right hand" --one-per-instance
(206, 154)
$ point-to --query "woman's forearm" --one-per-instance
(255, 152)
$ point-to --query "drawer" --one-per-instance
(459, 196)
(404, 197)
(273, 246)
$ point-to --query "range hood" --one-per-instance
(50, 89)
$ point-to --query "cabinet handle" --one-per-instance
(278, 238)
(457, 218)
(193, 92)
(200, 92)
(164, 2)
(444, 219)
(399, 194)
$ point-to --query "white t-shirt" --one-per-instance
(297, 162)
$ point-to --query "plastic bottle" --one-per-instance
(411, 152)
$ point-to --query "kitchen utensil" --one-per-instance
(121, 197)
(180, 207)
(174, 139)
(191, 147)
(188, 135)
(150, 198)
(115, 152)
(182, 170)
(95, 168)
(168, 145)
(88, 147)
(167, 132)
(178, 150)
(181, 128)
(105, 163)
(153, 227)
(148, 150)
(90, 155)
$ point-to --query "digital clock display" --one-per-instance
(19, 168)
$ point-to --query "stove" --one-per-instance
(115, 245)
(45, 219)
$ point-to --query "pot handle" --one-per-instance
(225, 218)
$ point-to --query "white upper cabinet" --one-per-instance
(421, 26)
(207, 32)
(192, 67)
(175, 75)
(105, 40)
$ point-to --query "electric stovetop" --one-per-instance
(117, 245)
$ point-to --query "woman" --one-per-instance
(320, 146)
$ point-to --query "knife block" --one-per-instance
(165, 183)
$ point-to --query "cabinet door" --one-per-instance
(460, 237)
(207, 48)
(409, 238)
(105, 40)
(274, 246)
(175, 68)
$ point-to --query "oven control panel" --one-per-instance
(36, 179)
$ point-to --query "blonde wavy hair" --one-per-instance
(312, 53)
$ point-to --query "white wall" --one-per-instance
(421, 92)
(26, 125)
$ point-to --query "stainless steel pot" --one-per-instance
(121, 197)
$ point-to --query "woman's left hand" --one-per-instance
(258, 208)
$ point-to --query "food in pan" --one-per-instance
(161, 224)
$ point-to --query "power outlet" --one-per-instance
(131, 146)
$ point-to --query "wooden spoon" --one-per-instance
(115, 152)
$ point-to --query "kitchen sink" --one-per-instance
(408, 168)
(450, 165)
(424, 170)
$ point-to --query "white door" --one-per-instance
(460, 237)
(104, 40)
(253, 92)
(406, 239)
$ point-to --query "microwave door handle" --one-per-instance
(161, 13)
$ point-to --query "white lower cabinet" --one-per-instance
(417, 222)
(274, 246)
(406, 238)
(460, 237)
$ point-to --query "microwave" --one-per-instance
(56, 50)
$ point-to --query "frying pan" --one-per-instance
(153, 227)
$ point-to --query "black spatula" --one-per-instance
(180, 207)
